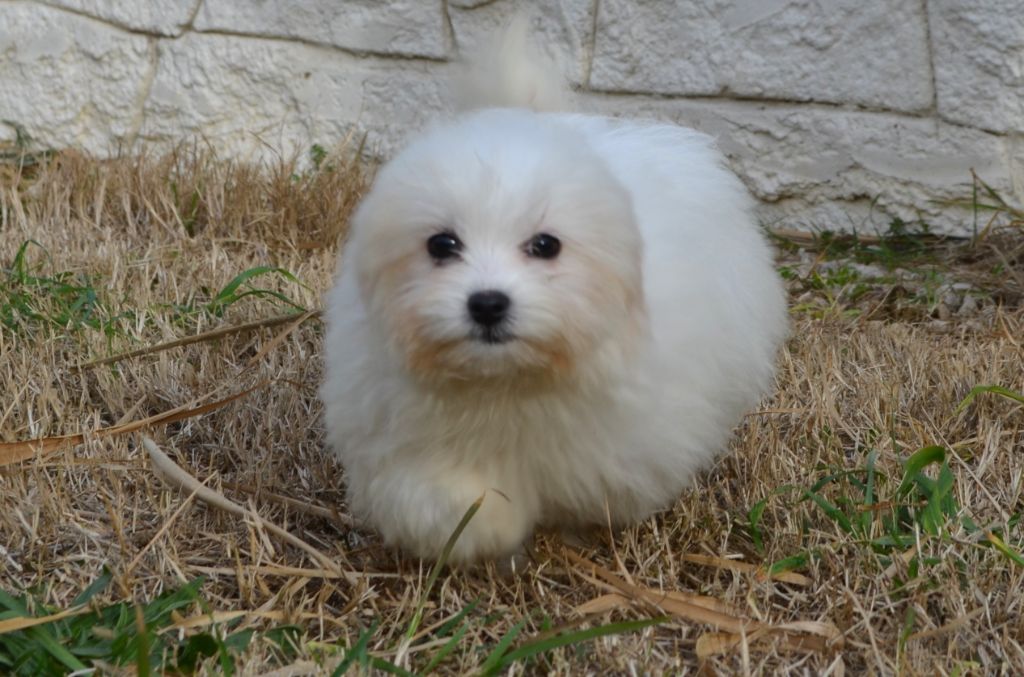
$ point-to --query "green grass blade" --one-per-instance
(457, 618)
(19, 269)
(158, 611)
(231, 288)
(568, 639)
(1008, 552)
(866, 517)
(944, 485)
(994, 194)
(966, 668)
(50, 645)
(260, 293)
(798, 561)
(390, 668)
(919, 460)
(909, 618)
(492, 663)
(941, 506)
(358, 650)
(40, 634)
(445, 650)
(828, 479)
(195, 649)
(227, 665)
(435, 571)
(994, 389)
(238, 280)
(834, 513)
(754, 518)
(11, 603)
(142, 647)
(94, 588)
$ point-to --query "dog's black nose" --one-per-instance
(488, 308)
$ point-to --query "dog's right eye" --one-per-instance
(443, 246)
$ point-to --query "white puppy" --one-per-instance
(565, 313)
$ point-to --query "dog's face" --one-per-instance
(498, 247)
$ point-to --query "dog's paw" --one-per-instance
(496, 531)
(418, 510)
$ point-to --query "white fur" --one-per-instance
(637, 351)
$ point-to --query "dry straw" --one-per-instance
(751, 574)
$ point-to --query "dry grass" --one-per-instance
(156, 239)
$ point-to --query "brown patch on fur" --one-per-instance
(615, 290)
(424, 358)
(558, 352)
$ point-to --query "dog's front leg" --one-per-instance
(418, 508)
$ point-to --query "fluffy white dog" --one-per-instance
(565, 313)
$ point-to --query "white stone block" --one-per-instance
(871, 54)
(251, 96)
(71, 81)
(8, 134)
(166, 17)
(978, 48)
(1015, 153)
(824, 168)
(397, 27)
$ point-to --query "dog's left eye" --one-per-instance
(543, 246)
(443, 246)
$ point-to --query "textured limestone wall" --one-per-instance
(837, 114)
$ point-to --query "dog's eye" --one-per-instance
(543, 246)
(443, 246)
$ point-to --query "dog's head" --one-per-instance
(498, 246)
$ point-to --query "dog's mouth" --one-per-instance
(492, 336)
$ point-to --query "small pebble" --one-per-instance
(354, 539)
(969, 306)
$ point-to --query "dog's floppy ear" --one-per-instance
(510, 71)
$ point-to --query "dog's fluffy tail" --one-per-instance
(510, 71)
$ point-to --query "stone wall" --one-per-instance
(838, 114)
